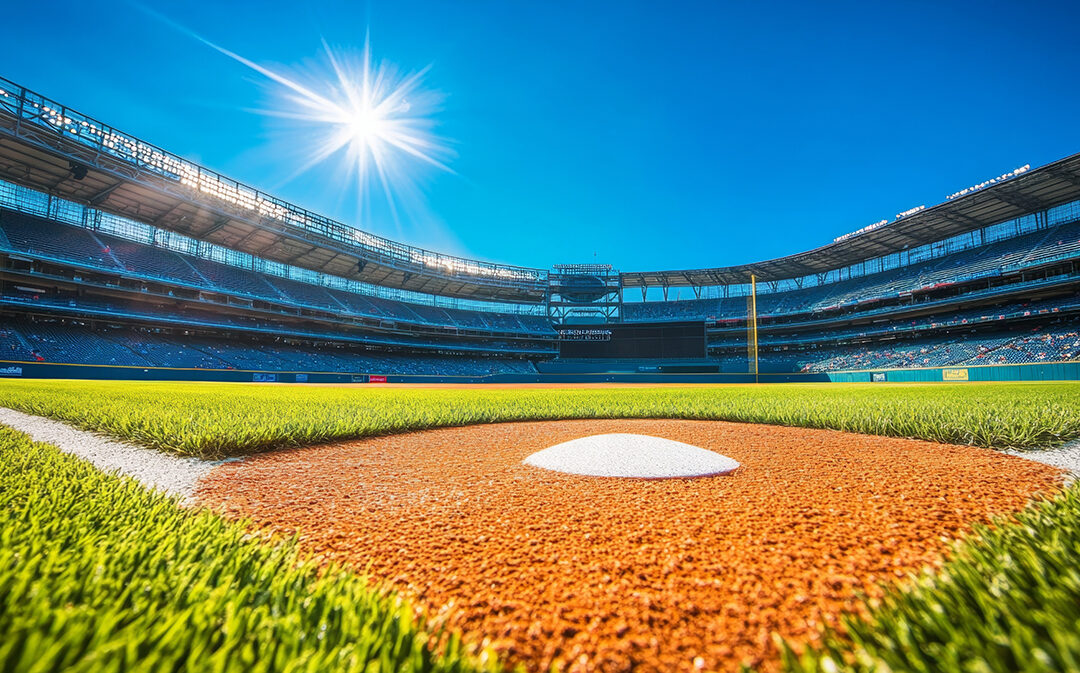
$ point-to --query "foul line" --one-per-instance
(174, 475)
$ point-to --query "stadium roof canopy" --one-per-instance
(48, 147)
(1030, 192)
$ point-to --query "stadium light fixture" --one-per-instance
(869, 227)
(992, 181)
(909, 212)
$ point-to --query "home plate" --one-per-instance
(625, 455)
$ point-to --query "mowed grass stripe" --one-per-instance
(99, 574)
(216, 420)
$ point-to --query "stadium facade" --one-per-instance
(121, 260)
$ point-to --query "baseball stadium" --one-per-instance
(239, 435)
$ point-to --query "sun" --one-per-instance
(377, 122)
(370, 107)
(366, 124)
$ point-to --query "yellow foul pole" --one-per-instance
(753, 327)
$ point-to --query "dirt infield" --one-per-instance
(598, 574)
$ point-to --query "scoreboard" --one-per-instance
(682, 340)
(584, 334)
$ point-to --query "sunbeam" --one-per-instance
(377, 123)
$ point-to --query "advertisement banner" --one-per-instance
(954, 375)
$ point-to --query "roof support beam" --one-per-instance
(908, 240)
(1067, 176)
(242, 241)
(161, 218)
(216, 227)
(333, 258)
(799, 267)
(261, 252)
(1021, 201)
(964, 219)
(102, 195)
(298, 255)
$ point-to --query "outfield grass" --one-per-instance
(215, 420)
(99, 574)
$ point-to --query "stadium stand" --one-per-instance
(30, 235)
(132, 263)
(1044, 343)
(1023, 251)
(36, 235)
(988, 314)
(821, 319)
(146, 259)
(74, 342)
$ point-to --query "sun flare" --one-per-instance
(377, 122)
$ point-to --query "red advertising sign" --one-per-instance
(374, 378)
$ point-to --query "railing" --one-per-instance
(930, 325)
(29, 107)
(112, 313)
(977, 294)
(39, 204)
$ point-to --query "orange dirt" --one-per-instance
(600, 574)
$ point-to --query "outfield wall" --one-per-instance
(52, 370)
(1042, 371)
(1049, 371)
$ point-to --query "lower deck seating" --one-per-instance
(1044, 343)
(45, 237)
(69, 342)
(40, 236)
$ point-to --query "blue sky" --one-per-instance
(645, 135)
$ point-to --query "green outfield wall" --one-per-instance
(1049, 371)
(1042, 371)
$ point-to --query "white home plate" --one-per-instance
(625, 455)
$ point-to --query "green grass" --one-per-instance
(98, 574)
(214, 420)
(1009, 600)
